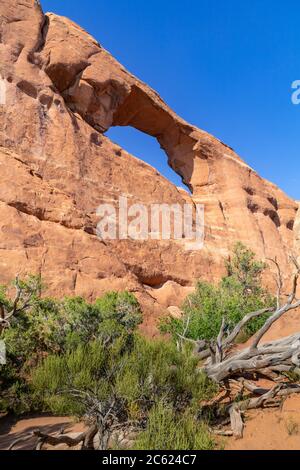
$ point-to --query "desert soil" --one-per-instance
(271, 430)
(11, 429)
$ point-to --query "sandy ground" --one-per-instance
(10, 429)
(271, 429)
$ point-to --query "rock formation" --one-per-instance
(59, 92)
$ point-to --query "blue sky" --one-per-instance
(226, 66)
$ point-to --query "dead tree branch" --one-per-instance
(270, 359)
(84, 438)
(21, 303)
(277, 356)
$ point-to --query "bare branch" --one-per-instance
(6, 316)
(20, 440)
(236, 421)
(238, 328)
(85, 438)
(201, 345)
(219, 347)
(278, 314)
(271, 359)
(279, 280)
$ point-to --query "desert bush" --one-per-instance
(245, 269)
(55, 326)
(156, 369)
(237, 294)
(71, 357)
(129, 379)
(52, 326)
(87, 368)
(166, 430)
(139, 372)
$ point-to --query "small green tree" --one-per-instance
(244, 270)
(237, 294)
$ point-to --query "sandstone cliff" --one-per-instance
(60, 91)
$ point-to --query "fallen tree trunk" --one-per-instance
(269, 357)
(279, 355)
(91, 439)
(274, 359)
(84, 438)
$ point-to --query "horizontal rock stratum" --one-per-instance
(60, 91)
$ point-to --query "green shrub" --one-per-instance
(243, 268)
(54, 326)
(50, 326)
(71, 357)
(239, 293)
(156, 369)
(166, 430)
(140, 372)
(131, 377)
(85, 368)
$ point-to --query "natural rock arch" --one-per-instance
(98, 88)
(69, 91)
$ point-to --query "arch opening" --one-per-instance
(146, 148)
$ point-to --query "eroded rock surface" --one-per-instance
(59, 92)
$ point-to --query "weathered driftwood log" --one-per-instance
(85, 439)
(268, 398)
(224, 362)
(277, 356)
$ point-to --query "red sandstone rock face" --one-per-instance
(62, 91)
